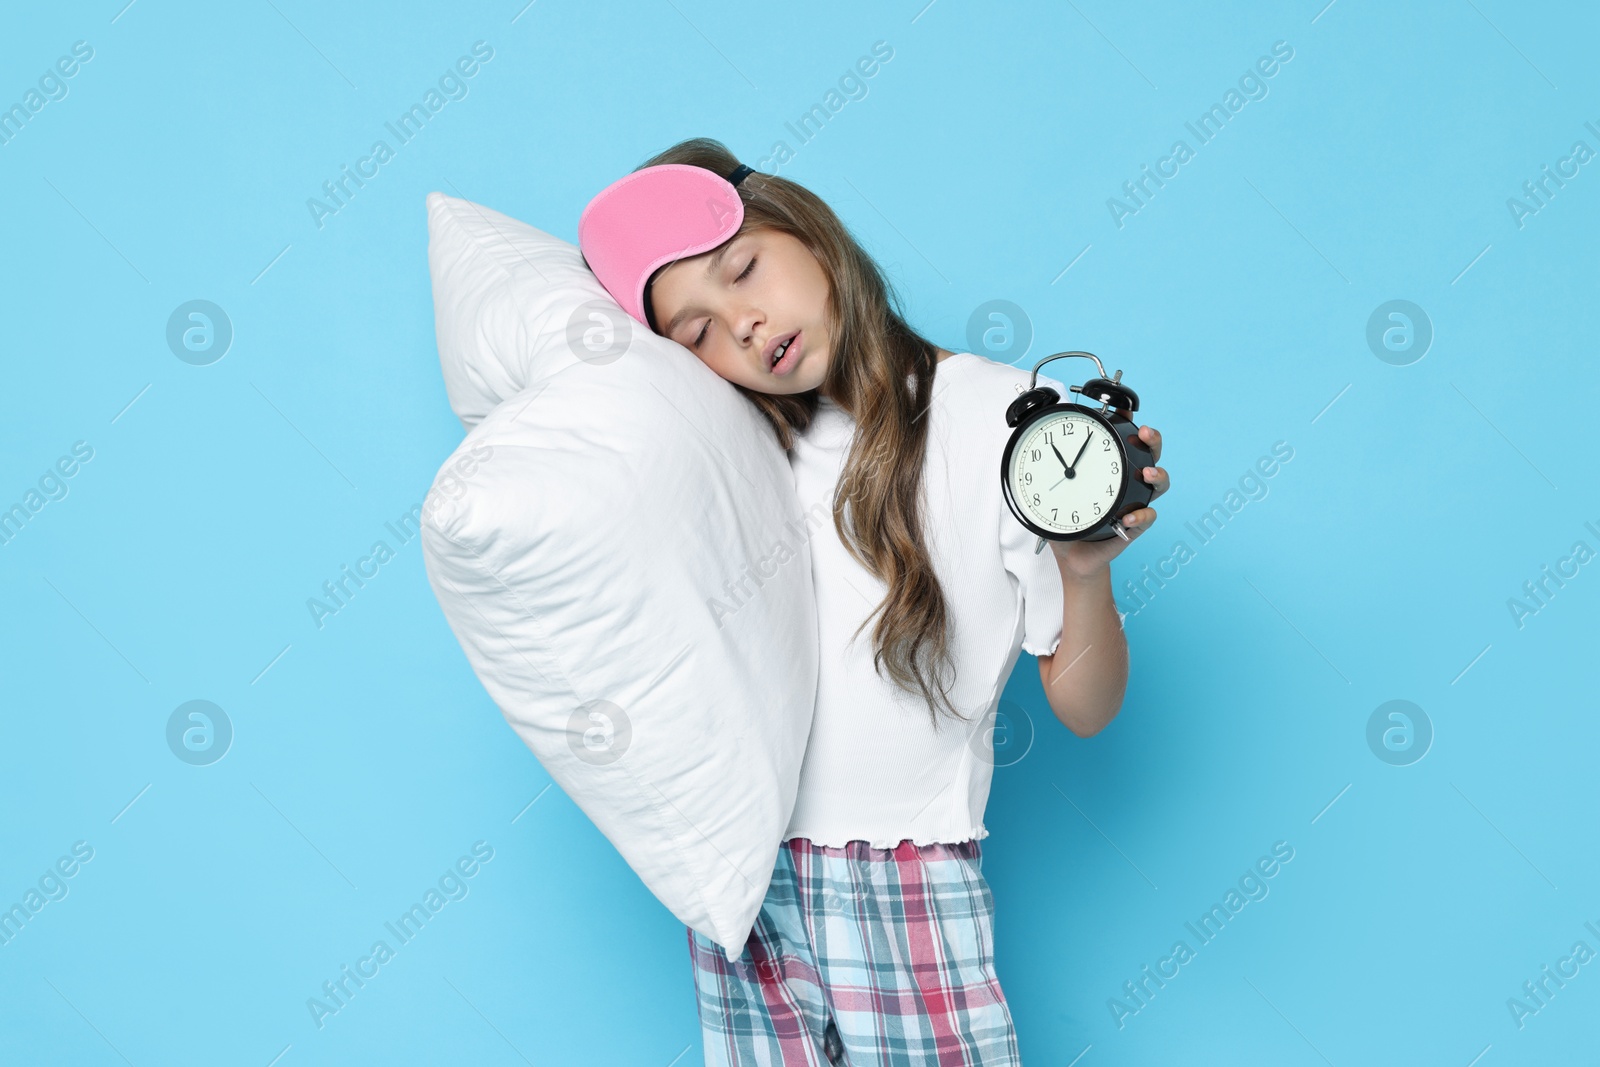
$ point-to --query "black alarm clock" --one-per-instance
(1071, 472)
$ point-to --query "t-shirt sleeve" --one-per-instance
(1038, 584)
(1038, 576)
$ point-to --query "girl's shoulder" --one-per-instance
(984, 387)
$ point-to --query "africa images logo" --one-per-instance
(452, 85)
(1252, 885)
(452, 885)
(1210, 123)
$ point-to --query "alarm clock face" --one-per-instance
(1066, 471)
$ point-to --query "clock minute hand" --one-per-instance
(1086, 439)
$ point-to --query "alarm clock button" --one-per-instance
(1109, 392)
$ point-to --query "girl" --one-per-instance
(874, 945)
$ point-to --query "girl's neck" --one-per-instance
(940, 355)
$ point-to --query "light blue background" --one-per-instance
(366, 756)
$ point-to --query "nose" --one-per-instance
(745, 322)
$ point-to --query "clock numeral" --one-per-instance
(1031, 482)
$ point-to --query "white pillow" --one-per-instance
(619, 548)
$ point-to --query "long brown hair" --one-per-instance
(881, 372)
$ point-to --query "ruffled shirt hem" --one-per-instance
(839, 840)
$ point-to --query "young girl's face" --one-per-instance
(736, 305)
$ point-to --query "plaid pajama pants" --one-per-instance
(865, 957)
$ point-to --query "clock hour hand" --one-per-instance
(1064, 464)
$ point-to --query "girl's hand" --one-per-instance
(1085, 559)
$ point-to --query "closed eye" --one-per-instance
(701, 336)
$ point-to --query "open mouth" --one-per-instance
(781, 360)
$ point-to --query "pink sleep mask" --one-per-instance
(652, 217)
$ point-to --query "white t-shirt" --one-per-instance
(875, 770)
